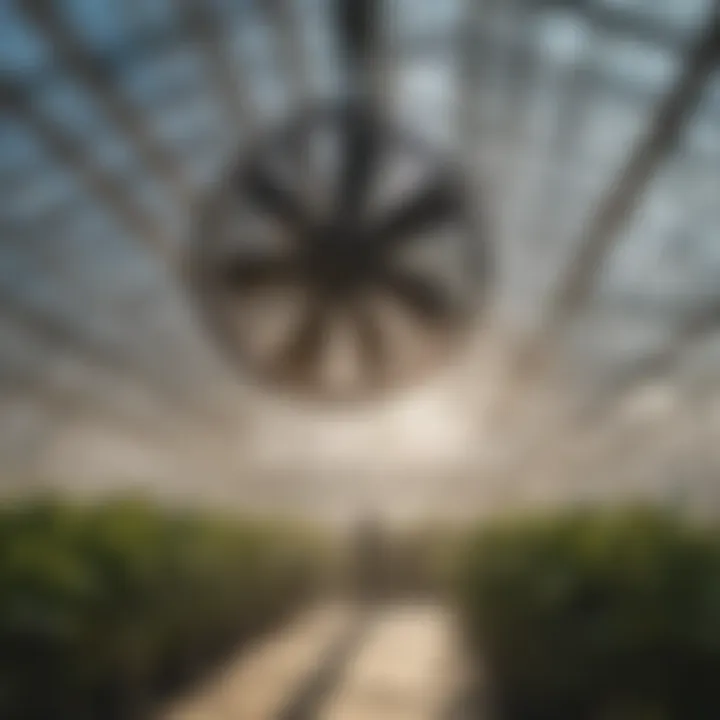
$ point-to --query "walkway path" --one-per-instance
(266, 678)
(405, 670)
(399, 664)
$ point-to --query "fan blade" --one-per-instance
(371, 340)
(253, 272)
(273, 196)
(301, 355)
(424, 298)
(435, 203)
(359, 159)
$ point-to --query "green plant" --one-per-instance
(596, 614)
(102, 606)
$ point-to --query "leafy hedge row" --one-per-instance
(101, 608)
(604, 614)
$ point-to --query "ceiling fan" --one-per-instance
(341, 256)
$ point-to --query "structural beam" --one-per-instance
(576, 91)
(16, 100)
(595, 418)
(231, 88)
(101, 82)
(624, 194)
(292, 54)
(41, 322)
(474, 64)
(697, 328)
(70, 402)
(530, 359)
(626, 24)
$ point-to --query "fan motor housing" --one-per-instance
(365, 230)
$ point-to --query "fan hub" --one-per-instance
(337, 260)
